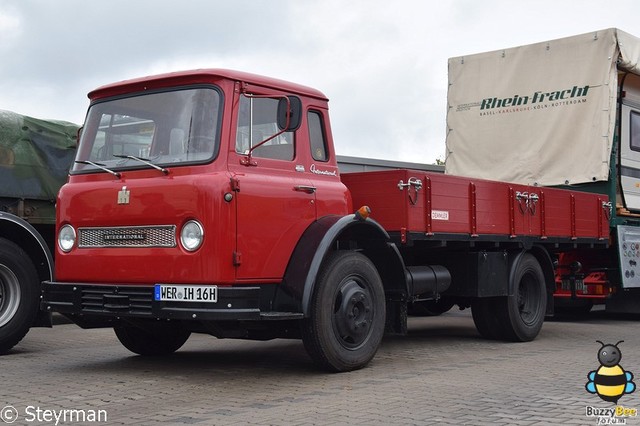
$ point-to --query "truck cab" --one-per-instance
(205, 153)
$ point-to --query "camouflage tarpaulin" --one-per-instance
(35, 156)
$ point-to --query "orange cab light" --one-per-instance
(363, 213)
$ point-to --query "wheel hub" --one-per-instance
(528, 299)
(353, 314)
(9, 294)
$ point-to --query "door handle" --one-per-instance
(305, 188)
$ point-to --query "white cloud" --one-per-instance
(382, 64)
(10, 27)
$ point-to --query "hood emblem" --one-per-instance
(123, 195)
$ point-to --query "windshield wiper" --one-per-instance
(100, 166)
(144, 161)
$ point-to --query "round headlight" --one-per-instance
(66, 238)
(191, 235)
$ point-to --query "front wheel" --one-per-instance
(346, 314)
(19, 291)
(152, 339)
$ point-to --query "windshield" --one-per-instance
(166, 128)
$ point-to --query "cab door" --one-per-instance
(630, 142)
(275, 201)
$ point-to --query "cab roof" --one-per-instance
(199, 76)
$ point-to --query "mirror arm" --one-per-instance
(248, 160)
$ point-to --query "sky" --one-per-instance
(381, 63)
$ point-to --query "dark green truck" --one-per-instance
(35, 157)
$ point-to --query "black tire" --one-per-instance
(19, 294)
(152, 339)
(429, 308)
(346, 313)
(522, 314)
(483, 311)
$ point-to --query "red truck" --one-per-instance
(210, 201)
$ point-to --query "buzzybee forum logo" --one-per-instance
(610, 382)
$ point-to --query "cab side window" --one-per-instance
(317, 137)
(635, 131)
(257, 121)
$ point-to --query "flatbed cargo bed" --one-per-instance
(419, 205)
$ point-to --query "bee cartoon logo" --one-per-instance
(610, 381)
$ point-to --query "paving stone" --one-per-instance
(441, 373)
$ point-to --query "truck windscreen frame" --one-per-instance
(169, 128)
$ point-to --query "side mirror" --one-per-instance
(289, 113)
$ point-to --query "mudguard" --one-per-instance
(26, 236)
(294, 294)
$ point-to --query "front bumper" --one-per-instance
(132, 301)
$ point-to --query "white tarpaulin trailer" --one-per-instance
(540, 114)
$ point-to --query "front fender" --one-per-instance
(316, 242)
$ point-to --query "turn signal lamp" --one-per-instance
(363, 213)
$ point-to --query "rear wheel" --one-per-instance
(523, 312)
(517, 317)
(152, 339)
(19, 291)
(483, 311)
(346, 314)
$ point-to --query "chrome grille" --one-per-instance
(128, 236)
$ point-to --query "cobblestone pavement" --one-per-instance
(443, 373)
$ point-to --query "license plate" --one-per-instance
(186, 293)
(579, 283)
